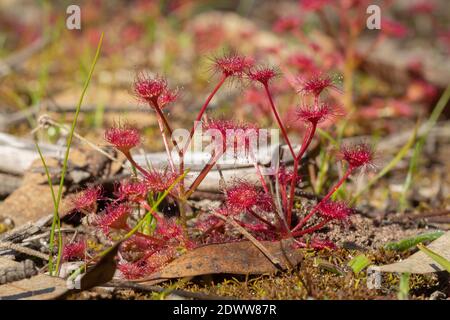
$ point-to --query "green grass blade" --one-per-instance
(399, 156)
(358, 263)
(69, 143)
(328, 137)
(55, 220)
(403, 203)
(155, 206)
(419, 146)
(440, 106)
(411, 242)
(403, 288)
(436, 257)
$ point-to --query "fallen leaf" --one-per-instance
(419, 262)
(102, 272)
(230, 258)
(445, 263)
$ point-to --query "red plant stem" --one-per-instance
(211, 229)
(292, 193)
(168, 127)
(261, 178)
(316, 101)
(257, 216)
(283, 196)
(277, 117)
(166, 145)
(258, 172)
(135, 164)
(266, 189)
(202, 175)
(305, 144)
(191, 134)
(328, 196)
(162, 117)
(205, 105)
(250, 226)
(311, 229)
(156, 240)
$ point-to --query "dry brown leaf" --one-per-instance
(102, 272)
(230, 258)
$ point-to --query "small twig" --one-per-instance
(25, 250)
(45, 120)
(251, 238)
(47, 232)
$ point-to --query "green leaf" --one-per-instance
(399, 156)
(57, 200)
(403, 288)
(408, 243)
(325, 265)
(436, 257)
(419, 145)
(359, 263)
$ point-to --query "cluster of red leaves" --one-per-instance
(74, 251)
(123, 137)
(154, 91)
(315, 84)
(244, 196)
(316, 115)
(153, 252)
(231, 136)
(86, 200)
(357, 156)
(145, 252)
(232, 65)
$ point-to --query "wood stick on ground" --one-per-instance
(45, 120)
(252, 239)
(25, 250)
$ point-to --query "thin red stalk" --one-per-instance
(283, 196)
(257, 216)
(199, 117)
(277, 117)
(166, 145)
(258, 172)
(311, 229)
(167, 126)
(292, 193)
(217, 225)
(250, 227)
(305, 144)
(202, 175)
(135, 164)
(203, 109)
(328, 196)
(261, 178)
(159, 241)
(181, 152)
(266, 189)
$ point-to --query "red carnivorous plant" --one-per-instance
(267, 214)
